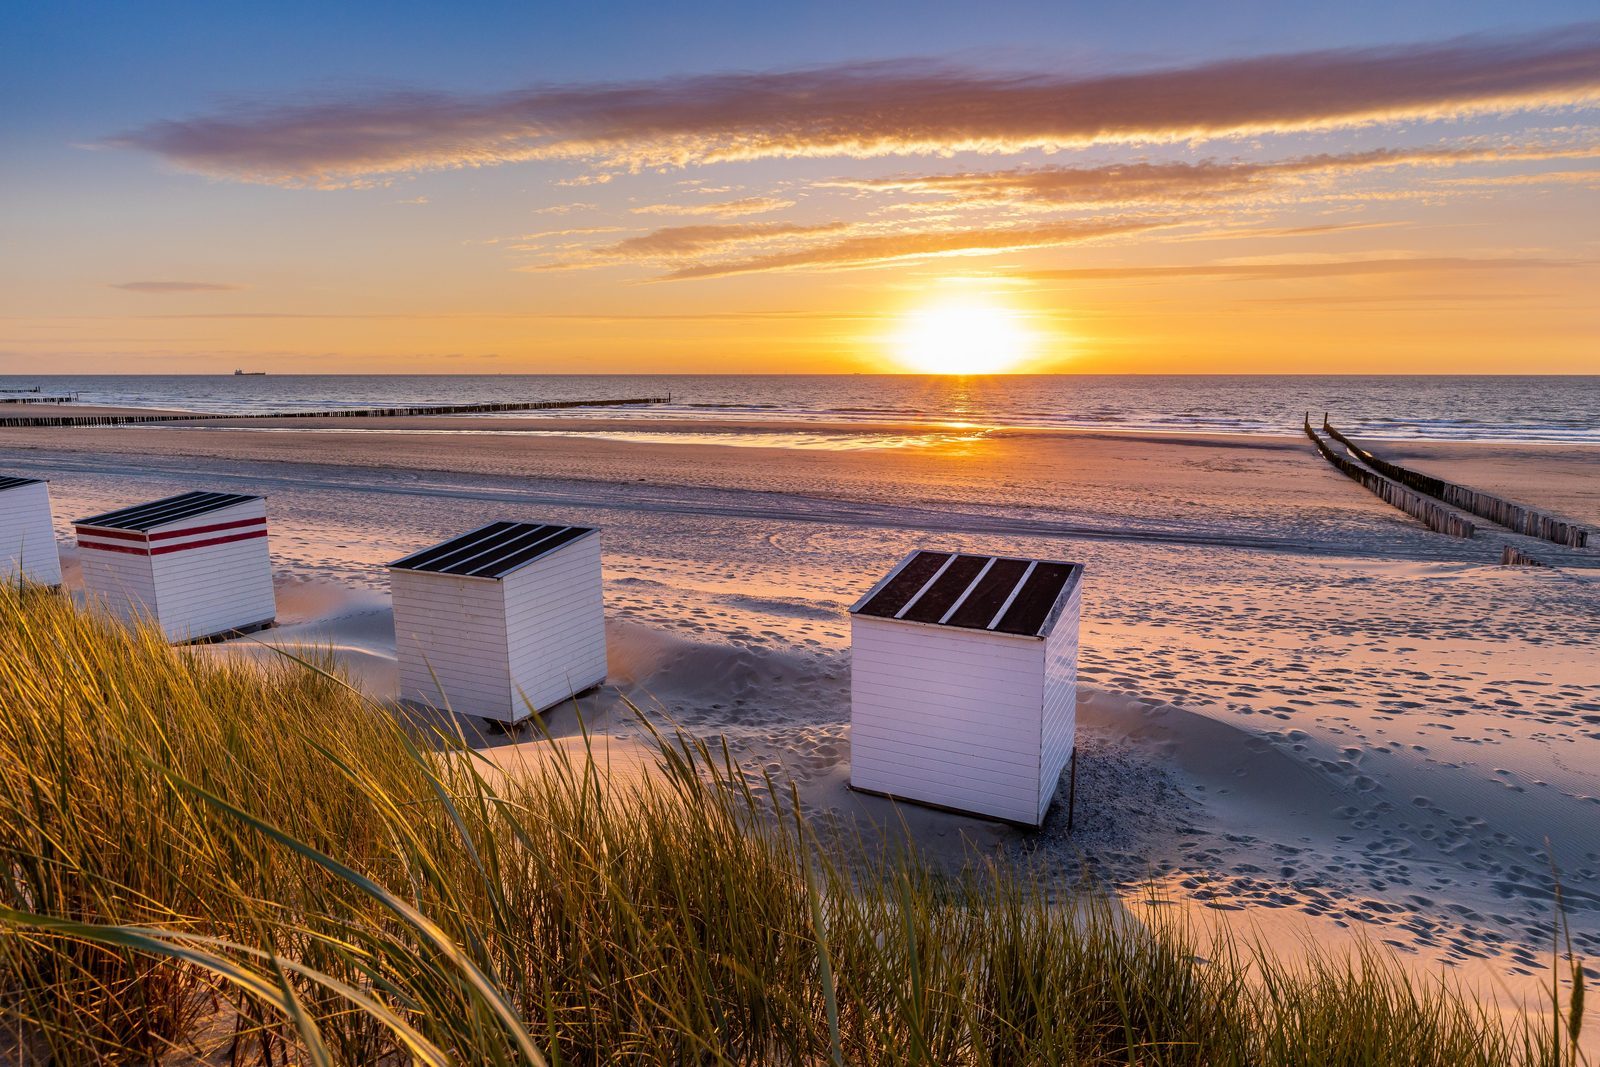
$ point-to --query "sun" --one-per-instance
(962, 336)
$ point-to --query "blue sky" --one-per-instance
(362, 185)
(80, 70)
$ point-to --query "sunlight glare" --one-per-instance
(968, 336)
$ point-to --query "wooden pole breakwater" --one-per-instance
(1434, 515)
(352, 413)
(1512, 516)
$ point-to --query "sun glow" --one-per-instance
(964, 336)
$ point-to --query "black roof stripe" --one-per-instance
(903, 586)
(985, 601)
(492, 551)
(544, 543)
(141, 518)
(943, 593)
(1012, 596)
(468, 558)
(9, 482)
(428, 555)
(1038, 594)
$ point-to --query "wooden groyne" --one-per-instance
(1434, 515)
(1512, 516)
(352, 413)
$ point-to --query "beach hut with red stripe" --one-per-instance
(501, 622)
(195, 563)
(963, 684)
(27, 538)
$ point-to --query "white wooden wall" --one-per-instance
(452, 628)
(27, 538)
(947, 716)
(206, 591)
(119, 583)
(555, 626)
(193, 592)
(1060, 726)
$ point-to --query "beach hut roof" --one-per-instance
(999, 594)
(9, 482)
(492, 551)
(142, 518)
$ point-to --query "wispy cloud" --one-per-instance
(874, 109)
(1314, 268)
(675, 244)
(724, 209)
(1177, 182)
(176, 287)
(1554, 177)
(685, 252)
(875, 249)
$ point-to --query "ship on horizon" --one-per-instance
(249, 373)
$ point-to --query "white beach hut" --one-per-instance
(27, 539)
(501, 622)
(964, 683)
(195, 563)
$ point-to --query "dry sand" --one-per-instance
(1304, 713)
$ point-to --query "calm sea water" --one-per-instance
(1552, 409)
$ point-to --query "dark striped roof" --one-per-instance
(144, 517)
(9, 482)
(492, 551)
(1001, 594)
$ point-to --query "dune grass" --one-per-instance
(199, 850)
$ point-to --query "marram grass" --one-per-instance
(207, 859)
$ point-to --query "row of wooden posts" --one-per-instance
(1512, 516)
(23, 396)
(352, 413)
(1434, 515)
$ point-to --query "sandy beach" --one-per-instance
(1304, 713)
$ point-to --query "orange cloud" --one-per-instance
(677, 243)
(872, 249)
(1301, 269)
(1131, 183)
(874, 109)
(726, 209)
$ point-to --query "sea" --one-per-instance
(1564, 409)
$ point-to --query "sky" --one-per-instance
(1226, 187)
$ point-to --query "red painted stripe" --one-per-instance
(207, 543)
(120, 535)
(208, 529)
(113, 548)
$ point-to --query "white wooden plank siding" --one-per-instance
(450, 638)
(503, 621)
(555, 624)
(963, 683)
(27, 538)
(1060, 726)
(205, 573)
(124, 586)
(924, 727)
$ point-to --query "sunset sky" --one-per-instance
(1139, 187)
